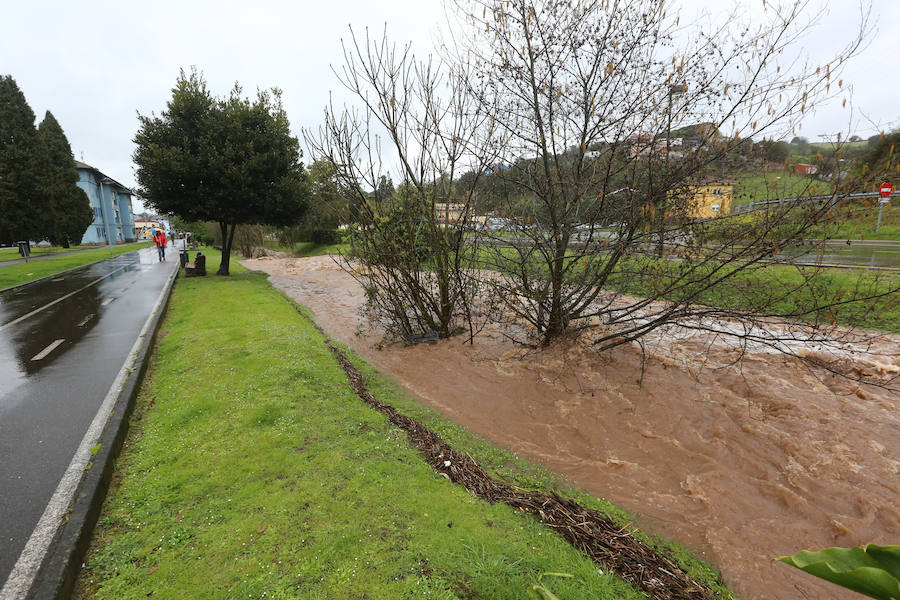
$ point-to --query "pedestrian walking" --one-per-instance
(160, 239)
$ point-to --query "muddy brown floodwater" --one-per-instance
(740, 463)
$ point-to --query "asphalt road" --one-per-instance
(63, 342)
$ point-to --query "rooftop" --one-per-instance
(104, 177)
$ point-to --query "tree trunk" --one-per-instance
(556, 321)
(227, 240)
(661, 232)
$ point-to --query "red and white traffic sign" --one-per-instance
(885, 189)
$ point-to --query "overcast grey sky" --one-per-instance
(96, 63)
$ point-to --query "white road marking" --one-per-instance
(58, 300)
(107, 301)
(23, 573)
(43, 353)
(85, 320)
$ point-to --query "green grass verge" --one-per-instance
(25, 272)
(252, 470)
(8, 254)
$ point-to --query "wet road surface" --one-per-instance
(63, 341)
(863, 255)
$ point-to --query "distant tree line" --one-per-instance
(39, 198)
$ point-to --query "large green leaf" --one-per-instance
(873, 570)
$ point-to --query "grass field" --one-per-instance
(757, 187)
(252, 471)
(25, 272)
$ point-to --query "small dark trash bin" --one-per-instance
(184, 257)
(24, 249)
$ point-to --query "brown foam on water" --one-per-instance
(740, 463)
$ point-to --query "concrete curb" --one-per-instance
(62, 562)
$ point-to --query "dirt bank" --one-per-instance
(741, 463)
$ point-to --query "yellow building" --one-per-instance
(451, 213)
(706, 200)
(144, 228)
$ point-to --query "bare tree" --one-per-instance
(410, 242)
(584, 97)
(599, 125)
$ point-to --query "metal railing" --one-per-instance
(834, 199)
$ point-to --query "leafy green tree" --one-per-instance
(329, 205)
(21, 207)
(777, 152)
(232, 161)
(69, 212)
(880, 161)
(197, 229)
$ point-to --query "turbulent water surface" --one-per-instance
(741, 463)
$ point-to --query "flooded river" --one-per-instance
(740, 463)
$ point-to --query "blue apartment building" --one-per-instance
(111, 203)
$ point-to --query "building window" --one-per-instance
(715, 207)
(717, 192)
(101, 233)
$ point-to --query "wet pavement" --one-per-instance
(863, 255)
(63, 340)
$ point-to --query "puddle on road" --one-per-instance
(741, 463)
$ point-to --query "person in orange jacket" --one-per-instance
(160, 239)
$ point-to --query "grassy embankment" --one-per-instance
(759, 186)
(857, 222)
(252, 471)
(25, 272)
(762, 288)
(780, 289)
(307, 248)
